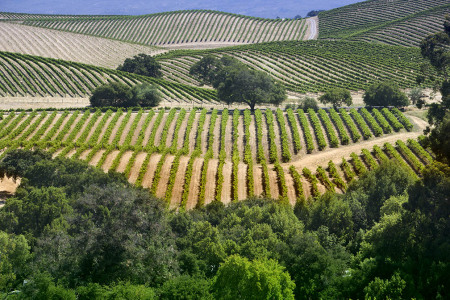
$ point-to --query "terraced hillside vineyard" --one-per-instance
(68, 46)
(311, 66)
(22, 75)
(190, 158)
(365, 15)
(179, 27)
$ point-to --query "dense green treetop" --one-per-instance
(118, 94)
(435, 48)
(76, 232)
(337, 97)
(385, 94)
(237, 83)
(239, 278)
(142, 64)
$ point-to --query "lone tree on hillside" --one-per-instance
(121, 95)
(385, 94)
(236, 83)
(243, 85)
(142, 64)
(204, 69)
(337, 97)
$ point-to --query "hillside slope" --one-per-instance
(190, 158)
(311, 66)
(25, 75)
(408, 31)
(180, 27)
(347, 20)
(68, 46)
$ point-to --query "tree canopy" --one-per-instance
(121, 95)
(435, 48)
(314, 13)
(236, 83)
(205, 68)
(385, 94)
(73, 232)
(142, 64)
(238, 278)
(337, 97)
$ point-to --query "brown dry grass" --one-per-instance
(257, 176)
(124, 161)
(273, 180)
(96, 158)
(290, 187)
(109, 160)
(312, 161)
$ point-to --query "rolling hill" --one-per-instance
(68, 46)
(311, 66)
(26, 75)
(193, 157)
(379, 14)
(176, 28)
(408, 31)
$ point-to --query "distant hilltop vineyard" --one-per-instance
(312, 66)
(357, 45)
(408, 31)
(382, 15)
(68, 46)
(174, 28)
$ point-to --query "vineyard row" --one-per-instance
(22, 75)
(180, 27)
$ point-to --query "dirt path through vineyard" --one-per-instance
(312, 161)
